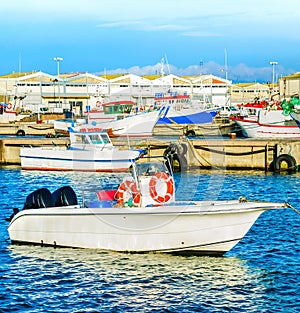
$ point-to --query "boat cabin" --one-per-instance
(91, 137)
(118, 107)
(173, 99)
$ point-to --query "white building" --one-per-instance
(79, 92)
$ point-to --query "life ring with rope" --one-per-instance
(9, 106)
(168, 180)
(128, 186)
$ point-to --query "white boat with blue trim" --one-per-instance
(182, 110)
(91, 149)
(140, 216)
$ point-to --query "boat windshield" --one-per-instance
(81, 139)
(99, 139)
(95, 139)
(105, 138)
(150, 168)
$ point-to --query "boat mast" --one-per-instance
(228, 99)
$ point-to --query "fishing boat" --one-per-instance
(124, 118)
(141, 215)
(268, 124)
(182, 110)
(90, 149)
(251, 109)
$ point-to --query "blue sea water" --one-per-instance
(260, 274)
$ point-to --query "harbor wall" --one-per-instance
(10, 147)
(244, 154)
(190, 153)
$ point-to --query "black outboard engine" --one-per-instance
(41, 198)
(64, 196)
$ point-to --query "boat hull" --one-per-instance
(200, 229)
(62, 159)
(254, 129)
(188, 116)
(137, 125)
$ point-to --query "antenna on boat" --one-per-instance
(167, 63)
(226, 76)
(163, 61)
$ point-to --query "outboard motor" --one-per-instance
(41, 198)
(64, 196)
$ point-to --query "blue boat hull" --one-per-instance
(196, 118)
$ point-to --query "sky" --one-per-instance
(236, 39)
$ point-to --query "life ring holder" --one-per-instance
(153, 190)
(128, 185)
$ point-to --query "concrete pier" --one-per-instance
(236, 154)
(10, 147)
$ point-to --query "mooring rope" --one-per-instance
(291, 207)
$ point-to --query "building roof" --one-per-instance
(292, 76)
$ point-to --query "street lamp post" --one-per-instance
(58, 59)
(273, 63)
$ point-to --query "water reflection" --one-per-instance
(131, 279)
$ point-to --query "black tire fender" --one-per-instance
(190, 133)
(288, 159)
(20, 133)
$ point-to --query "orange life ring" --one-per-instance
(153, 190)
(128, 186)
(9, 106)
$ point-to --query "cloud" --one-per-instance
(144, 25)
(238, 73)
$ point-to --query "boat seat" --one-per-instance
(40, 198)
(64, 196)
(106, 194)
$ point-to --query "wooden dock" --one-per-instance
(186, 153)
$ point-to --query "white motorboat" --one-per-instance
(90, 149)
(141, 216)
